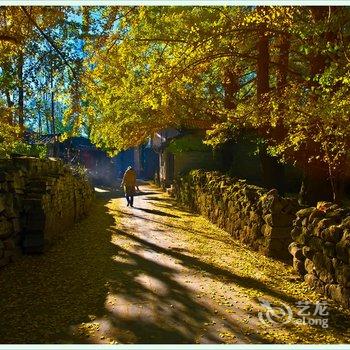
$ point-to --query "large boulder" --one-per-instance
(298, 266)
(324, 267)
(5, 228)
(342, 274)
(309, 266)
(308, 252)
(296, 250)
(343, 247)
(338, 294)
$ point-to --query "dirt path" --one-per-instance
(154, 273)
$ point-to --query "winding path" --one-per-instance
(154, 273)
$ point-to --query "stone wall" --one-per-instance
(259, 218)
(39, 199)
(321, 249)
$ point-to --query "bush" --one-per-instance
(26, 149)
(9, 136)
(79, 171)
(188, 143)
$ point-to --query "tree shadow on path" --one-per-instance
(60, 296)
(42, 296)
(100, 282)
(156, 212)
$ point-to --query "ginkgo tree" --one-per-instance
(280, 71)
(123, 73)
(38, 64)
(150, 73)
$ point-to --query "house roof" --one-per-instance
(37, 139)
(161, 139)
(202, 124)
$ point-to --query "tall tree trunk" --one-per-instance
(53, 117)
(20, 91)
(9, 105)
(48, 131)
(317, 183)
(263, 63)
(283, 62)
(272, 170)
(279, 132)
(47, 114)
(53, 129)
(8, 99)
(40, 123)
(231, 85)
(315, 187)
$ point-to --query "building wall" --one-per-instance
(186, 161)
(166, 172)
(143, 159)
(150, 163)
(173, 165)
(137, 161)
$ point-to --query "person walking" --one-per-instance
(129, 184)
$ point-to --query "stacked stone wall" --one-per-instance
(321, 249)
(259, 218)
(39, 199)
(317, 238)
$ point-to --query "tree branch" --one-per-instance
(118, 19)
(49, 40)
(9, 38)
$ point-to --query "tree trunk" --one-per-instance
(9, 105)
(20, 92)
(47, 115)
(272, 170)
(263, 62)
(47, 122)
(318, 183)
(231, 85)
(40, 124)
(283, 62)
(53, 122)
(8, 99)
(53, 117)
(315, 187)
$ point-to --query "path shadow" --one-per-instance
(156, 212)
(42, 297)
(47, 298)
(211, 270)
(132, 214)
(188, 229)
(171, 314)
(170, 202)
(159, 199)
(107, 193)
(338, 319)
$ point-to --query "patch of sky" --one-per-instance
(247, 77)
